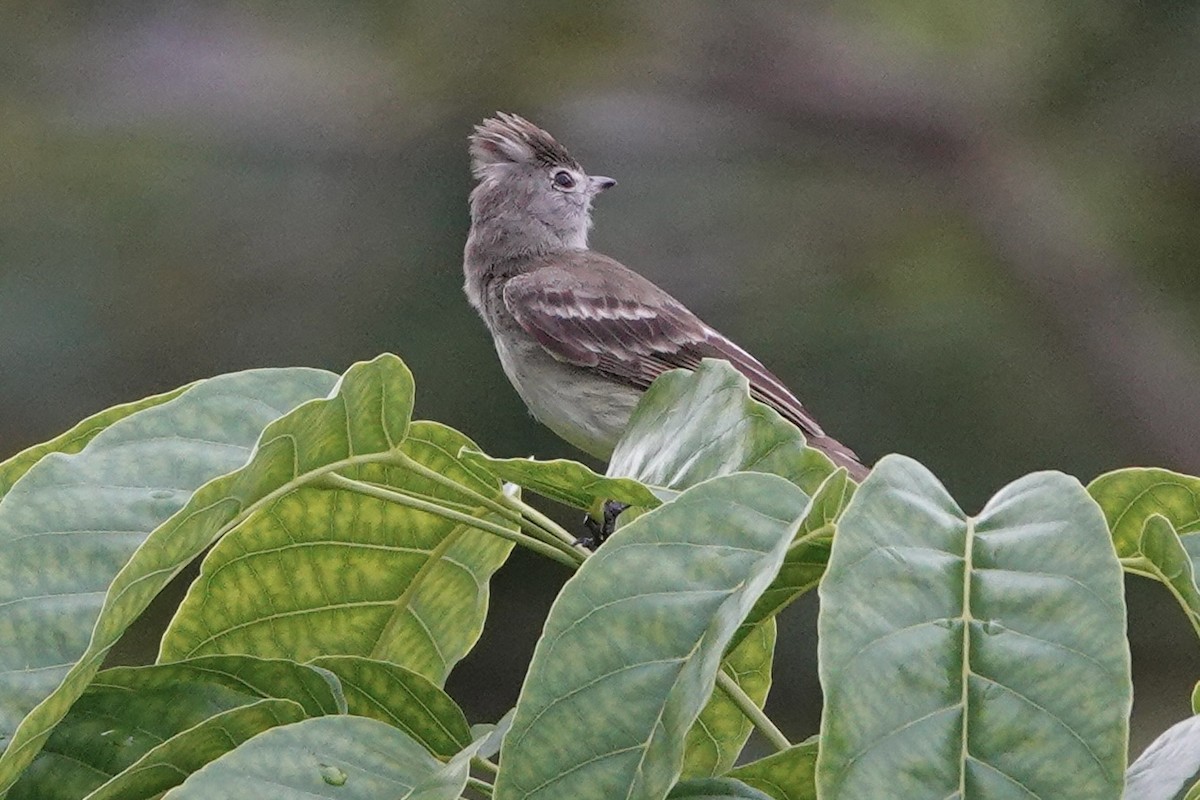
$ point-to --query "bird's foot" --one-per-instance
(599, 531)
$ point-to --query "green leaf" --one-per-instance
(256, 677)
(1148, 511)
(1163, 556)
(145, 743)
(715, 789)
(344, 757)
(716, 738)
(402, 698)
(808, 553)
(87, 540)
(692, 426)
(632, 645)
(787, 775)
(189, 751)
(567, 482)
(1130, 496)
(348, 574)
(147, 728)
(1169, 766)
(76, 438)
(972, 656)
(1196, 698)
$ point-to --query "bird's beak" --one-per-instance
(599, 183)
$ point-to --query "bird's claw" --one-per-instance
(598, 532)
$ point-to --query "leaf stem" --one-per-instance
(752, 711)
(402, 459)
(382, 493)
(549, 525)
(483, 787)
(486, 764)
(508, 507)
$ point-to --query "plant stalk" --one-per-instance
(483, 787)
(752, 712)
(547, 524)
(486, 765)
(508, 507)
(381, 493)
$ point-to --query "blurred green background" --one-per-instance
(962, 231)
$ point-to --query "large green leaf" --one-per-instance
(75, 439)
(115, 744)
(808, 553)
(402, 698)
(715, 789)
(692, 426)
(632, 645)
(569, 482)
(347, 574)
(1154, 515)
(790, 774)
(344, 758)
(1130, 496)
(972, 656)
(175, 718)
(87, 540)
(716, 738)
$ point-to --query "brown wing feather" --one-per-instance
(591, 311)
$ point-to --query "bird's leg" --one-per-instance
(599, 531)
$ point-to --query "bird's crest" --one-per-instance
(509, 139)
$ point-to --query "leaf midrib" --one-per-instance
(967, 619)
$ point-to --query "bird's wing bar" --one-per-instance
(605, 317)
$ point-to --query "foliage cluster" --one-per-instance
(349, 552)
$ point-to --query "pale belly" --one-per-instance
(588, 411)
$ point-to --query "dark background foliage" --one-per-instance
(963, 232)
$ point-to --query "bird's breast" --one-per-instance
(584, 408)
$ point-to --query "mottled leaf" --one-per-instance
(75, 439)
(972, 656)
(632, 645)
(88, 539)
(343, 573)
(401, 698)
(716, 738)
(808, 553)
(138, 731)
(1130, 496)
(1148, 512)
(790, 774)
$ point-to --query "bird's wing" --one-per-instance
(588, 310)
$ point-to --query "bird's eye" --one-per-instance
(564, 180)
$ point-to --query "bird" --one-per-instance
(581, 336)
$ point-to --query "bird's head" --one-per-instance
(529, 185)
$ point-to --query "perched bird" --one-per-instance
(581, 336)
